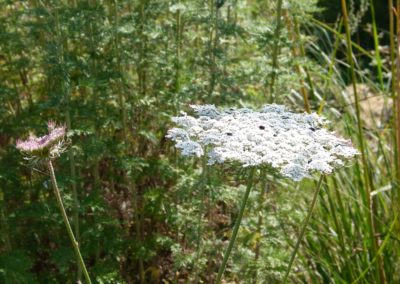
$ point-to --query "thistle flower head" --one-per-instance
(46, 146)
(296, 144)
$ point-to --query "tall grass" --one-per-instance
(368, 183)
(357, 203)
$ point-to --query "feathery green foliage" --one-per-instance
(116, 71)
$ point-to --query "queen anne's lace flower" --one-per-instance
(293, 143)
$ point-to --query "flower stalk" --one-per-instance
(295, 145)
(303, 229)
(75, 244)
(236, 227)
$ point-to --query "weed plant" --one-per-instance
(115, 72)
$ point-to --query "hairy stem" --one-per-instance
(75, 244)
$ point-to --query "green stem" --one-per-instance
(66, 222)
(341, 37)
(397, 100)
(339, 230)
(236, 227)
(295, 37)
(261, 204)
(393, 94)
(376, 44)
(178, 49)
(275, 50)
(303, 54)
(303, 229)
(203, 189)
(368, 184)
(213, 42)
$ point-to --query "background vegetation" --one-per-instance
(116, 71)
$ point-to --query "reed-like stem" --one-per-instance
(275, 51)
(178, 39)
(303, 229)
(236, 226)
(295, 53)
(397, 101)
(393, 94)
(367, 180)
(336, 216)
(75, 244)
(213, 43)
(303, 53)
(376, 44)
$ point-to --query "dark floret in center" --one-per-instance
(229, 133)
(262, 127)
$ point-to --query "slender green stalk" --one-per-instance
(397, 101)
(203, 187)
(335, 49)
(303, 229)
(295, 53)
(75, 244)
(236, 227)
(376, 44)
(178, 49)
(393, 93)
(261, 203)
(303, 53)
(380, 251)
(367, 180)
(275, 51)
(353, 44)
(213, 43)
(142, 70)
(334, 212)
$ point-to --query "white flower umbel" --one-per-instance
(296, 144)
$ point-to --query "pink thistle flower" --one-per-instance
(50, 145)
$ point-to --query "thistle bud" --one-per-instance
(44, 147)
